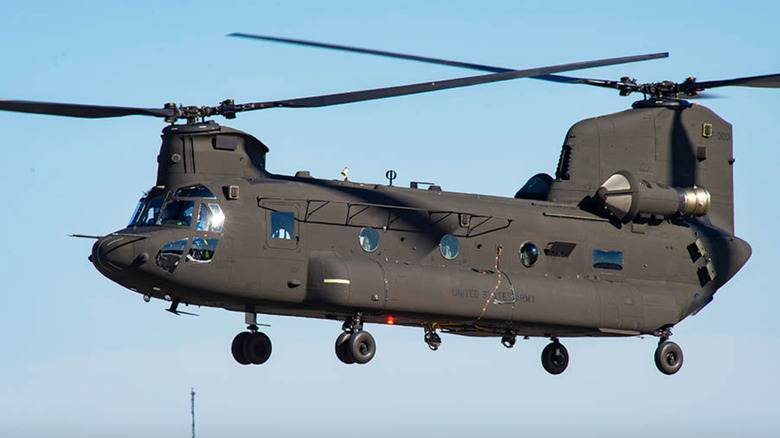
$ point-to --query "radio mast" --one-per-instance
(192, 406)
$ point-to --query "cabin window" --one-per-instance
(282, 225)
(449, 246)
(210, 218)
(202, 250)
(369, 239)
(529, 254)
(612, 260)
(169, 255)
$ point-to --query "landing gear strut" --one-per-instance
(355, 345)
(251, 347)
(668, 355)
(555, 357)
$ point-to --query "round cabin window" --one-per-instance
(529, 254)
(449, 246)
(369, 239)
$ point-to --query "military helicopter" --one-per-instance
(633, 234)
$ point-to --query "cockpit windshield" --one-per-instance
(146, 213)
(177, 212)
(187, 205)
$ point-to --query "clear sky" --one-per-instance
(82, 357)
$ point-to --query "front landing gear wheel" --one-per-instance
(342, 348)
(251, 348)
(555, 358)
(361, 346)
(668, 357)
(237, 348)
(257, 348)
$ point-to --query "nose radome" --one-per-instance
(115, 252)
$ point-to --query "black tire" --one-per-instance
(555, 358)
(342, 348)
(237, 348)
(257, 348)
(668, 357)
(362, 347)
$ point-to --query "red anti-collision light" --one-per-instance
(390, 320)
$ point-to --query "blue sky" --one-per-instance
(81, 356)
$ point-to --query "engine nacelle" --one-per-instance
(628, 197)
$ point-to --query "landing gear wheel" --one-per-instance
(362, 346)
(508, 340)
(555, 358)
(257, 348)
(342, 348)
(237, 348)
(668, 357)
(433, 340)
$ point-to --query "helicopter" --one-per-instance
(634, 233)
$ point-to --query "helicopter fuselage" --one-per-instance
(250, 241)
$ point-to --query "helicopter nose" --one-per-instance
(116, 252)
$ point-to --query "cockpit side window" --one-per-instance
(202, 250)
(169, 255)
(210, 218)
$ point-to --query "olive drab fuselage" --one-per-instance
(565, 257)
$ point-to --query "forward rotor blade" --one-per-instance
(84, 111)
(469, 65)
(374, 52)
(764, 81)
(381, 93)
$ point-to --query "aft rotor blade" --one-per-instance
(381, 93)
(764, 81)
(84, 111)
(439, 61)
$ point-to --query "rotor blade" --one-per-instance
(84, 111)
(472, 66)
(374, 52)
(572, 80)
(764, 81)
(380, 93)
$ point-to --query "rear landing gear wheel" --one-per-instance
(668, 357)
(555, 358)
(361, 346)
(342, 348)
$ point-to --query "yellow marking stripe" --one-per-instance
(335, 281)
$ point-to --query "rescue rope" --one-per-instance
(495, 289)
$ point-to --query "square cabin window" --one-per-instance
(612, 260)
(282, 225)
